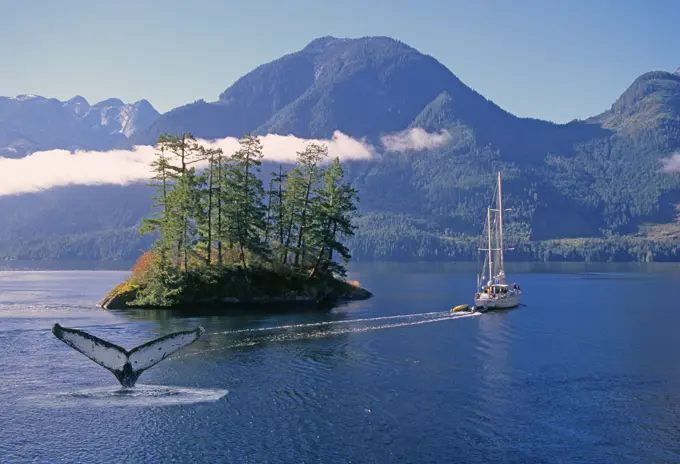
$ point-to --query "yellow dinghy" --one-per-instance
(458, 308)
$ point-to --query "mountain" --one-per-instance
(362, 87)
(602, 188)
(650, 103)
(365, 87)
(30, 123)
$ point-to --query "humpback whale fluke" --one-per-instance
(127, 366)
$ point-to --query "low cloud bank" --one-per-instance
(53, 168)
(414, 139)
(672, 163)
(283, 148)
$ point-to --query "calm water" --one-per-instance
(588, 371)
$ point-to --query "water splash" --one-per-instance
(140, 396)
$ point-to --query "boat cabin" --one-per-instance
(498, 289)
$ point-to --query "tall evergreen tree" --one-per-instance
(306, 215)
(332, 211)
(161, 219)
(184, 200)
(300, 188)
(268, 219)
(276, 207)
(248, 195)
(223, 199)
(210, 199)
(162, 181)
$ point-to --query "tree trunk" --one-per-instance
(288, 235)
(317, 263)
(299, 250)
(243, 231)
(269, 208)
(281, 212)
(330, 249)
(327, 238)
(219, 210)
(210, 195)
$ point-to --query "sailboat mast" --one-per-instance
(500, 224)
(488, 220)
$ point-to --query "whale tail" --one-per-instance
(125, 365)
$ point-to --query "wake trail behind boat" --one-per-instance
(261, 336)
(433, 314)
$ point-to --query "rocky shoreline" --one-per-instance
(315, 293)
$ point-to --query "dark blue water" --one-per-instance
(588, 371)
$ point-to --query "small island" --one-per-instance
(223, 239)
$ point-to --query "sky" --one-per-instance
(549, 59)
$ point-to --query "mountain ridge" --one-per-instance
(596, 179)
(315, 78)
(30, 123)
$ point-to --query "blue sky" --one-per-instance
(551, 59)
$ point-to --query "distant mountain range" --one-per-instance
(30, 123)
(602, 188)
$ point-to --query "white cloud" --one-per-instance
(52, 168)
(45, 169)
(283, 148)
(415, 139)
(672, 163)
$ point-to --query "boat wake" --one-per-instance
(438, 315)
(140, 395)
(318, 330)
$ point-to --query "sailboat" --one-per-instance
(494, 292)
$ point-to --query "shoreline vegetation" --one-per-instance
(422, 246)
(222, 239)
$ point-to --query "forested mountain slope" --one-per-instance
(575, 188)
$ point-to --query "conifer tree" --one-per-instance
(300, 188)
(223, 199)
(307, 214)
(268, 219)
(159, 221)
(162, 181)
(248, 195)
(184, 200)
(276, 208)
(332, 220)
(210, 198)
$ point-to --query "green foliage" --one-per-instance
(210, 219)
(178, 200)
(276, 209)
(160, 286)
(600, 179)
(590, 178)
(331, 220)
(102, 245)
(247, 196)
(299, 197)
(387, 237)
(300, 209)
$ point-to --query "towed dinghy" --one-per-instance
(462, 307)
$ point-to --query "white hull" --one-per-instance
(509, 301)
